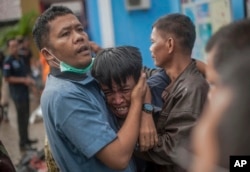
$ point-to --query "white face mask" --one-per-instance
(64, 67)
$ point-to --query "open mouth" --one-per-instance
(82, 49)
(120, 109)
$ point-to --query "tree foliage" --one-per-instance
(22, 28)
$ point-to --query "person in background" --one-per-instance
(15, 73)
(82, 134)
(222, 130)
(25, 53)
(223, 126)
(32, 67)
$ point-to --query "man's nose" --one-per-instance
(80, 36)
(118, 98)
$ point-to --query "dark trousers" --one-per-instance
(23, 113)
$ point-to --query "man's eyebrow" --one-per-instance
(122, 87)
(106, 89)
(64, 29)
(71, 26)
(125, 85)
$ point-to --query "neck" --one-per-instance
(177, 66)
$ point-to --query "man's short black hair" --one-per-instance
(180, 26)
(117, 64)
(41, 28)
(229, 41)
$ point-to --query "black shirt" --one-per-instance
(16, 67)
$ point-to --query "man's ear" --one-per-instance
(170, 43)
(46, 54)
(49, 58)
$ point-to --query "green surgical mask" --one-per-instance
(67, 68)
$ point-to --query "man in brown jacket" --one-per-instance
(172, 38)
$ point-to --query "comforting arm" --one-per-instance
(118, 153)
(201, 67)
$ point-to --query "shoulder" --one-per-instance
(58, 86)
(65, 98)
(75, 91)
(195, 83)
(8, 59)
(160, 77)
(196, 79)
(193, 77)
(7, 63)
(192, 82)
(149, 71)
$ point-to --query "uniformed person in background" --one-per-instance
(15, 73)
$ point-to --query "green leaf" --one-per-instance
(22, 28)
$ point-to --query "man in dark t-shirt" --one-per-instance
(15, 73)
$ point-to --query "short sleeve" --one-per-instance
(87, 124)
(157, 83)
(7, 68)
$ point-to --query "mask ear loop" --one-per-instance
(55, 61)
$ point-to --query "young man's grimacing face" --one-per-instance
(119, 97)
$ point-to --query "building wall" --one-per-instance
(92, 15)
(28, 5)
(134, 27)
(237, 9)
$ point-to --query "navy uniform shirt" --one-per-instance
(16, 68)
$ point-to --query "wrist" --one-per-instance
(147, 108)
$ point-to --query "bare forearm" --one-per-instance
(16, 80)
(128, 134)
(123, 147)
(117, 154)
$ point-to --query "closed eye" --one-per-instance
(126, 90)
(107, 93)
